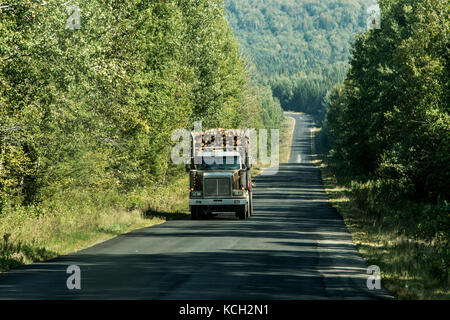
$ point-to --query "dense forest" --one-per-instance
(290, 36)
(390, 119)
(91, 107)
(301, 48)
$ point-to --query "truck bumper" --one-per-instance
(217, 202)
(219, 205)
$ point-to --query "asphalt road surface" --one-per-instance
(295, 246)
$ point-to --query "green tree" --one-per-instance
(391, 119)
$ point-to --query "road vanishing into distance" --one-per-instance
(295, 246)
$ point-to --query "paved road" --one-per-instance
(294, 247)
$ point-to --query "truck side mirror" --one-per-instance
(190, 166)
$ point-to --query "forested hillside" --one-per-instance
(92, 109)
(290, 36)
(300, 47)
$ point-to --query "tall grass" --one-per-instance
(286, 139)
(407, 239)
(78, 219)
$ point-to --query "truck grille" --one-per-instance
(218, 187)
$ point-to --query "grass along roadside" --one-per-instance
(286, 136)
(38, 234)
(80, 219)
(286, 141)
(411, 268)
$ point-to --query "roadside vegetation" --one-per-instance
(385, 149)
(286, 140)
(412, 267)
(62, 226)
(87, 114)
(286, 136)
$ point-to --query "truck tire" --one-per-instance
(242, 214)
(250, 204)
(194, 213)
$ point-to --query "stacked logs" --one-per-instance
(216, 140)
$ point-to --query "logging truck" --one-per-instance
(220, 173)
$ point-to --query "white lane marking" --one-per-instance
(299, 158)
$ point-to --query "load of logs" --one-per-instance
(216, 140)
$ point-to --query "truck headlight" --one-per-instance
(238, 193)
(196, 194)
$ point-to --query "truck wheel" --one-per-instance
(242, 213)
(194, 213)
(250, 203)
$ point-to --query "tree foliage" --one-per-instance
(290, 36)
(391, 117)
(300, 47)
(94, 109)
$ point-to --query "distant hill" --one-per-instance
(289, 36)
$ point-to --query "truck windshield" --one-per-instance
(220, 163)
